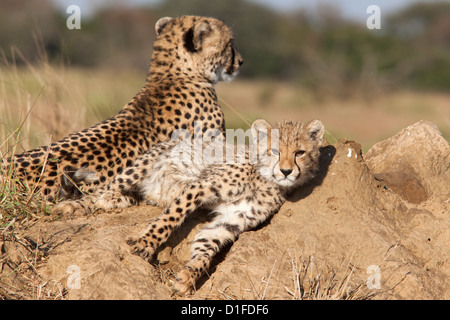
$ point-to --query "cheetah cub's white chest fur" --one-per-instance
(241, 195)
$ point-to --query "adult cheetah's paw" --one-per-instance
(114, 200)
(184, 282)
(140, 248)
(69, 208)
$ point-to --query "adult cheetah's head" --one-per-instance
(199, 46)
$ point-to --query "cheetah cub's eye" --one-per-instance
(275, 152)
(299, 153)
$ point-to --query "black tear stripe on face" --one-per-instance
(299, 170)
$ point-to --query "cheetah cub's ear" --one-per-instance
(261, 134)
(316, 130)
(260, 128)
(161, 23)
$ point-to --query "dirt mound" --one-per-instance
(369, 226)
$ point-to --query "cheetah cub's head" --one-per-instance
(200, 45)
(289, 151)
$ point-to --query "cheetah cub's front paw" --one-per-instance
(184, 283)
(141, 248)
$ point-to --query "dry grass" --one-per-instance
(325, 284)
(19, 278)
(19, 257)
(290, 277)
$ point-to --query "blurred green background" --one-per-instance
(411, 49)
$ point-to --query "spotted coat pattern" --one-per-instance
(190, 55)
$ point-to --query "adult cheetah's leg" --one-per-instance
(114, 196)
(104, 198)
(124, 191)
(128, 187)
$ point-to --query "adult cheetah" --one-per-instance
(190, 55)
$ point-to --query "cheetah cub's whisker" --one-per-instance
(241, 195)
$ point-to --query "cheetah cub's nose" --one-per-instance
(286, 172)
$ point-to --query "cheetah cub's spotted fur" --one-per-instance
(241, 195)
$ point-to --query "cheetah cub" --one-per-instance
(241, 193)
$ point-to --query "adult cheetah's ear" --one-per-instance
(193, 38)
(161, 23)
(316, 130)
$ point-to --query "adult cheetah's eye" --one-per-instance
(275, 152)
(299, 153)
